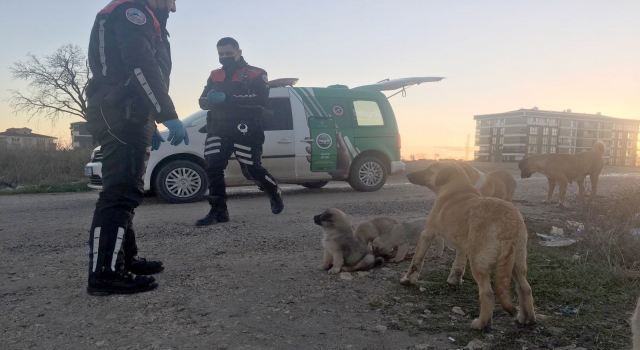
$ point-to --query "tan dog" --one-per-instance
(395, 244)
(564, 169)
(368, 231)
(635, 327)
(342, 251)
(487, 231)
(497, 184)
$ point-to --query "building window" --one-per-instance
(628, 154)
(630, 135)
(554, 132)
(477, 132)
(553, 122)
(619, 143)
(627, 162)
(618, 126)
(619, 153)
(532, 150)
(533, 130)
(533, 139)
(494, 140)
(619, 135)
(545, 149)
(501, 131)
(502, 140)
(554, 141)
(533, 121)
(477, 140)
(545, 131)
(552, 150)
(629, 144)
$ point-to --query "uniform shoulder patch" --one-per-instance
(136, 16)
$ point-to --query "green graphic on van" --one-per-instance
(323, 148)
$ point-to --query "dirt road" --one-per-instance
(251, 283)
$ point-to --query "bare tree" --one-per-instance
(57, 84)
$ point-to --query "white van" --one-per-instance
(312, 136)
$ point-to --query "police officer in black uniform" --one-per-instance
(236, 96)
(130, 62)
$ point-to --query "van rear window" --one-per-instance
(368, 113)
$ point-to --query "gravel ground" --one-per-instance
(251, 283)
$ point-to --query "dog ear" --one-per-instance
(444, 176)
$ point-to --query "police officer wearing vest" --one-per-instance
(130, 62)
(235, 96)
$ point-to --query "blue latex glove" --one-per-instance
(156, 140)
(177, 132)
(216, 97)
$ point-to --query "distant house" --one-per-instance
(24, 138)
(80, 137)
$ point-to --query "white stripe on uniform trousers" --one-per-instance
(246, 155)
(96, 246)
(211, 152)
(147, 88)
(117, 248)
(244, 161)
(270, 180)
(213, 138)
(103, 58)
(242, 147)
(212, 145)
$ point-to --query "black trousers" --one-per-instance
(125, 145)
(227, 139)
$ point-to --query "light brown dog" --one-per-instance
(487, 231)
(342, 251)
(497, 184)
(564, 169)
(368, 231)
(635, 327)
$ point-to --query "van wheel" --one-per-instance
(367, 174)
(314, 185)
(181, 181)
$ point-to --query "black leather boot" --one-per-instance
(119, 282)
(217, 214)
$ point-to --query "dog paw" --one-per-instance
(526, 319)
(323, 267)
(408, 280)
(334, 271)
(481, 326)
(454, 280)
(547, 201)
(396, 260)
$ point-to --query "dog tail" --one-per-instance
(504, 270)
(635, 327)
(599, 147)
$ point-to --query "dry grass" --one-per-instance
(608, 225)
(42, 169)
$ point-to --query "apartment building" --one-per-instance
(80, 137)
(510, 136)
(24, 138)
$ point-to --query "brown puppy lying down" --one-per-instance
(563, 169)
(488, 231)
(497, 184)
(367, 231)
(396, 243)
(342, 251)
